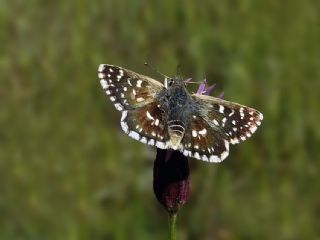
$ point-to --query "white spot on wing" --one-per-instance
(139, 83)
(101, 75)
(224, 121)
(253, 129)
(224, 154)
(234, 141)
(186, 152)
(204, 158)
(149, 115)
(161, 145)
(101, 67)
(221, 109)
(118, 106)
(194, 133)
(261, 116)
(134, 135)
(124, 115)
(104, 84)
(241, 113)
(203, 131)
(214, 158)
(124, 126)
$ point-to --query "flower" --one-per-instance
(203, 89)
(171, 179)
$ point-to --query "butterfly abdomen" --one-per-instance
(176, 130)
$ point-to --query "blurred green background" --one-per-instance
(67, 171)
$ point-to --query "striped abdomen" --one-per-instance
(176, 130)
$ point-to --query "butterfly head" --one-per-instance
(175, 81)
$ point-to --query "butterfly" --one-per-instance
(169, 117)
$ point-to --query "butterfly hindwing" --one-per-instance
(147, 124)
(127, 89)
(203, 142)
(233, 121)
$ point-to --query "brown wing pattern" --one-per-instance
(203, 142)
(233, 121)
(126, 89)
(147, 124)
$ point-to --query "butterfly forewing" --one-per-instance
(234, 121)
(126, 89)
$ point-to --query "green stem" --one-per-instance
(172, 225)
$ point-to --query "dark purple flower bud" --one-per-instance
(171, 179)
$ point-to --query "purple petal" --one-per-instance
(202, 87)
(220, 95)
(209, 89)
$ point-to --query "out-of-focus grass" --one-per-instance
(68, 172)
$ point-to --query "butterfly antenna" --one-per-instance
(192, 82)
(154, 69)
(179, 70)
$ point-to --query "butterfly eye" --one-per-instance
(168, 82)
